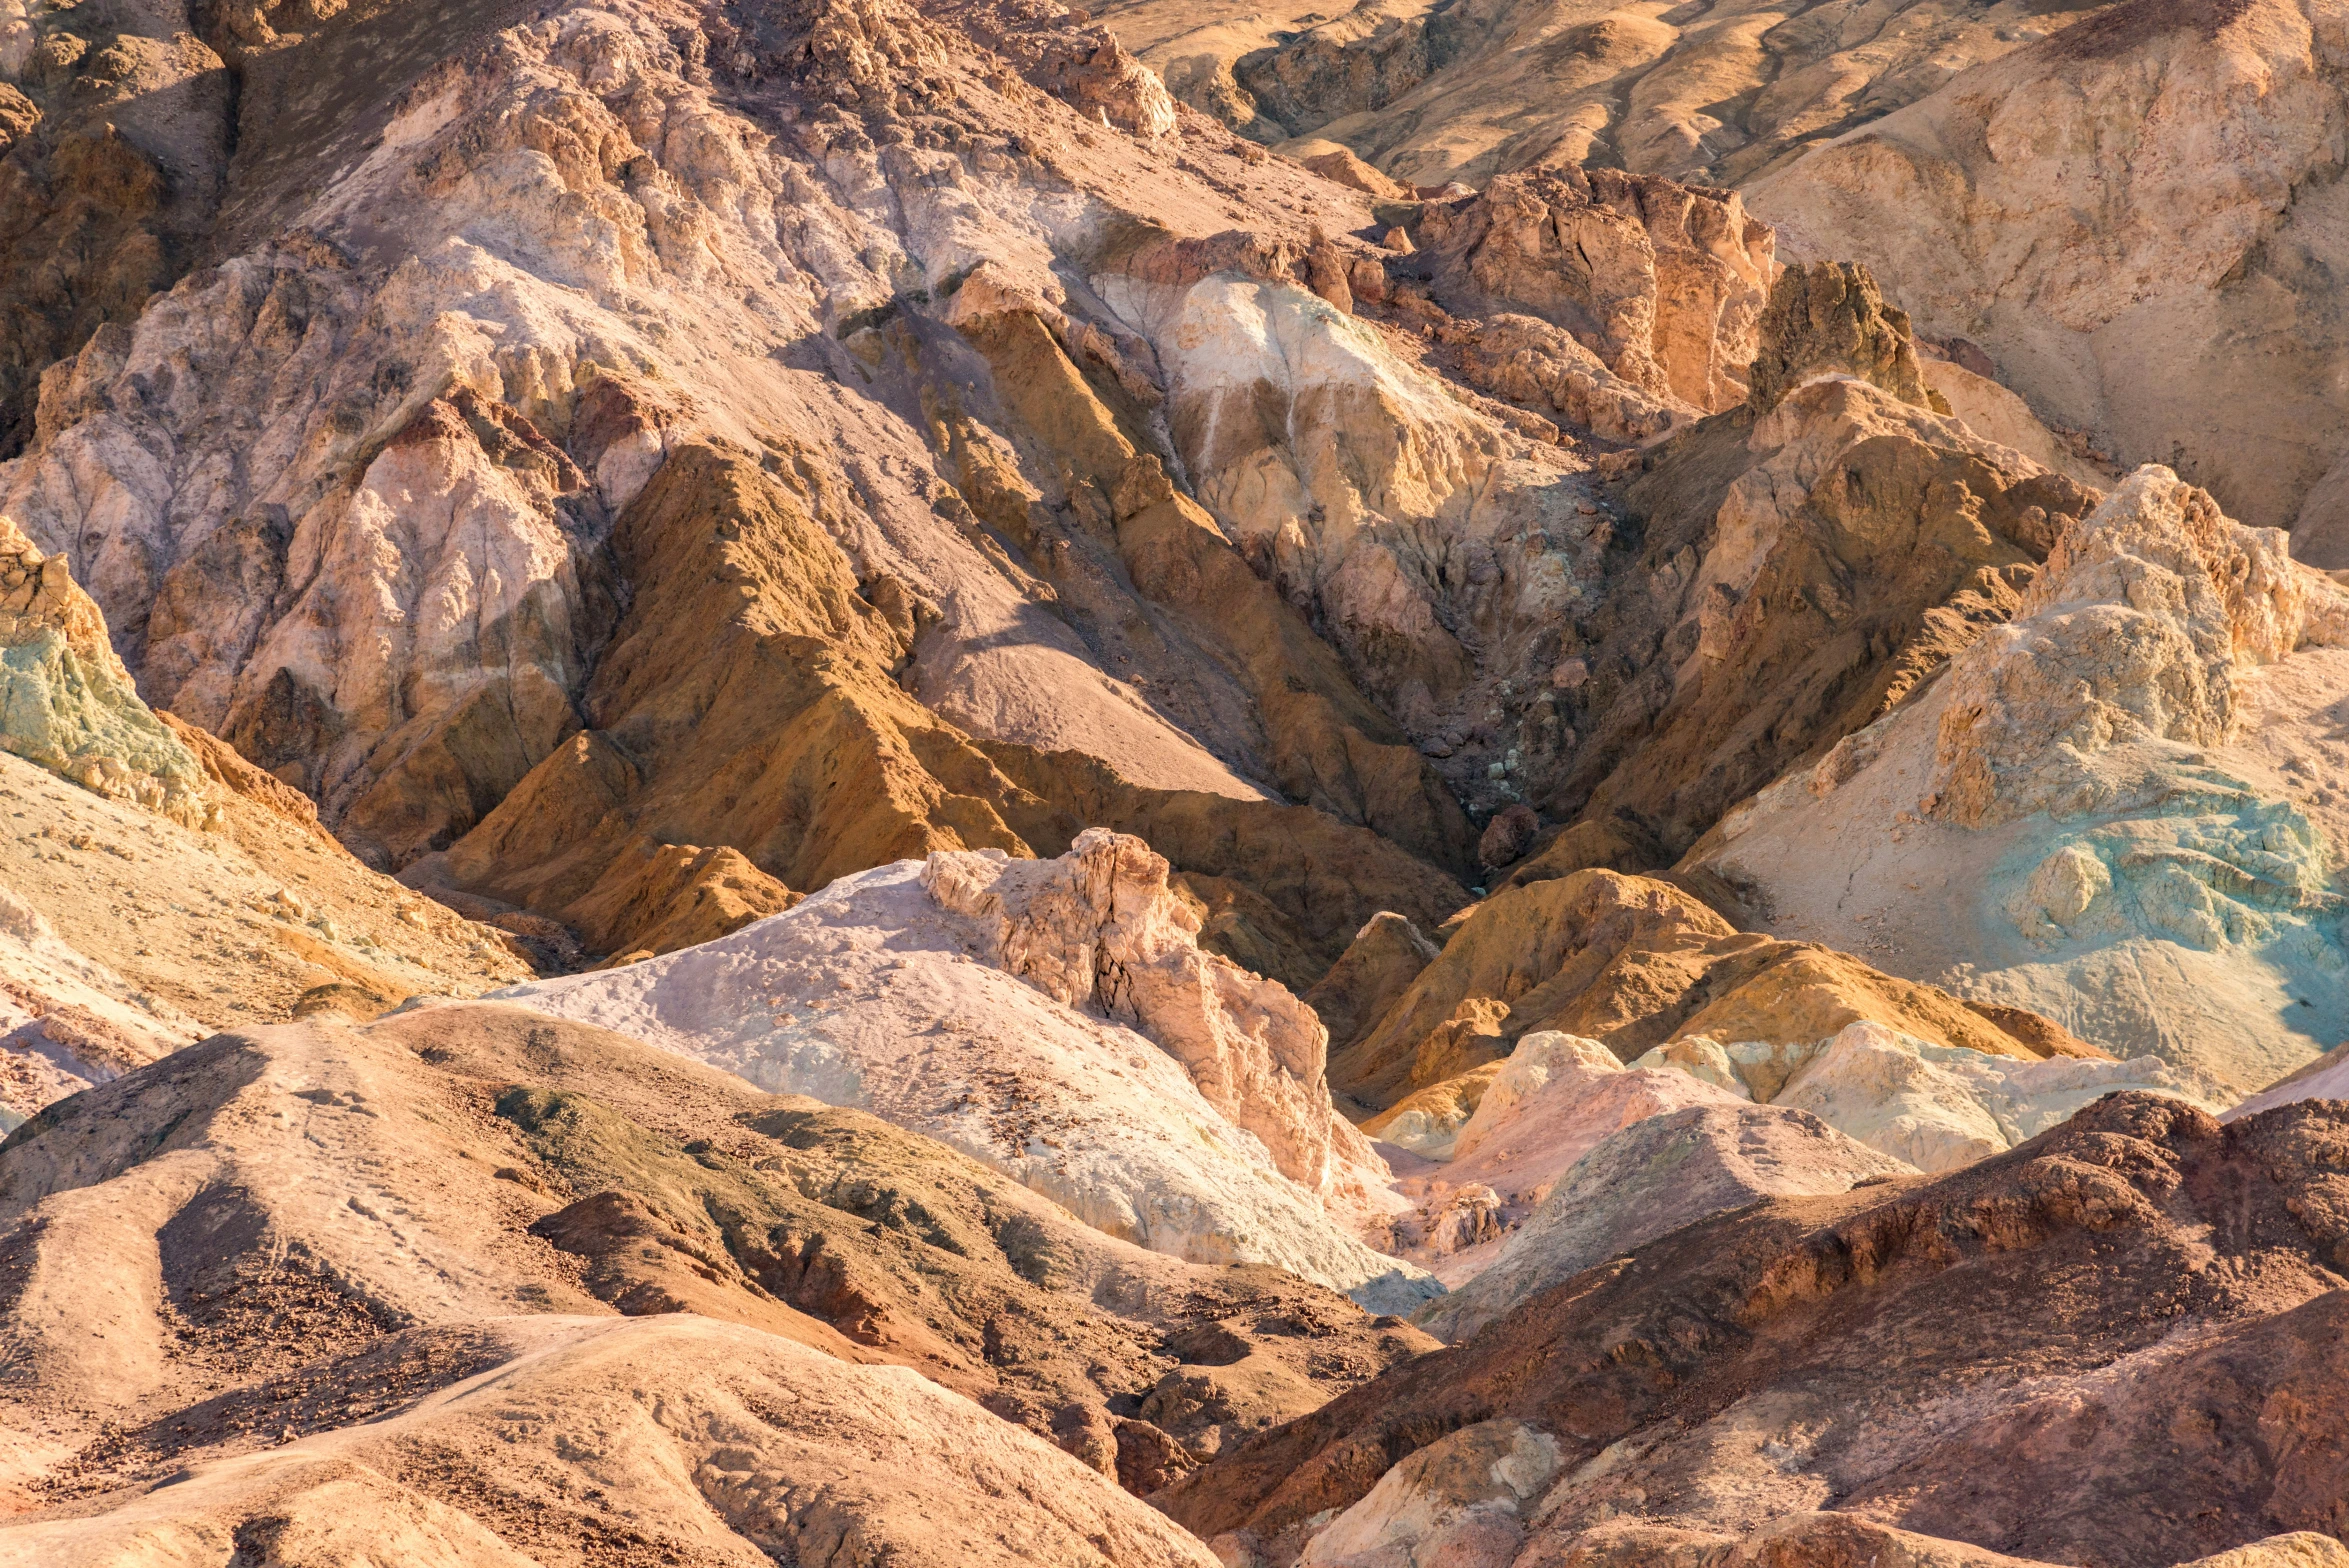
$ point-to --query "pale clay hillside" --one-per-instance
(918, 783)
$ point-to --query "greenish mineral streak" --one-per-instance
(78, 718)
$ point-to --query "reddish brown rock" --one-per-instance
(1917, 1354)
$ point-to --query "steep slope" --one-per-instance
(2113, 810)
(2137, 218)
(154, 884)
(1056, 1020)
(1904, 1354)
(401, 593)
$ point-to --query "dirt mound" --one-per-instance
(523, 1180)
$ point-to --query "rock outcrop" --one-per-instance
(68, 704)
(1831, 319)
(1882, 1354)
(1797, 574)
(1633, 962)
(208, 886)
(1055, 1020)
(1664, 282)
(405, 518)
(2112, 803)
(2180, 326)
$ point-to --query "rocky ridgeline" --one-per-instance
(975, 628)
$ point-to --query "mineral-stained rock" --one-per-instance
(1385, 956)
(1884, 1352)
(1056, 1020)
(67, 703)
(209, 886)
(1653, 1177)
(2109, 804)
(1797, 575)
(1664, 282)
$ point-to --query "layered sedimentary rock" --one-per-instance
(1798, 573)
(1761, 1366)
(2113, 808)
(2185, 325)
(390, 518)
(68, 703)
(1056, 1020)
(276, 1259)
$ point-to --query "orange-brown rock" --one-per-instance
(1664, 282)
(1795, 575)
(1633, 962)
(1830, 318)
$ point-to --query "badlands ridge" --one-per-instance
(861, 782)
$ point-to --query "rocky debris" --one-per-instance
(67, 703)
(1882, 1353)
(2134, 848)
(2131, 325)
(1633, 962)
(1456, 1500)
(1314, 732)
(746, 1420)
(1652, 1178)
(1508, 836)
(978, 1000)
(1830, 319)
(523, 1179)
(1664, 283)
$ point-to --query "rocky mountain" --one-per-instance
(927, 782)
